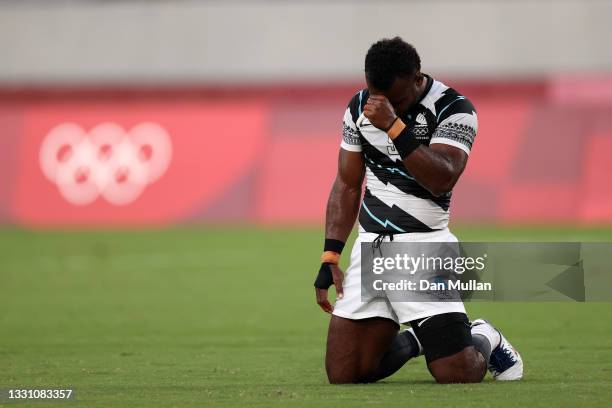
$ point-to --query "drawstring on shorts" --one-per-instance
(379, 240)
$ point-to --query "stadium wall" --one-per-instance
(268, 154)
(187, 41)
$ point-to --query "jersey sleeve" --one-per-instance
(350, 134)
(458, 126)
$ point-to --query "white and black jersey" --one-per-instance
(394, 202)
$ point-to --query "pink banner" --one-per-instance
(269, 155)
(141, 163)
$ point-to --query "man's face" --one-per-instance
(403, 93)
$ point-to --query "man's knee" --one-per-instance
(348, 377)
(450, 355)
(341, 361)
(335, 377)
(355, 348)
(467, 366)
(349, 372)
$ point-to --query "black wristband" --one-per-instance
(333, 245)
(405, 143)
(392, 123)
(325, 278)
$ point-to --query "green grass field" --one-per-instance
(214, 316)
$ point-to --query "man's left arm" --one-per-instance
(436, 167)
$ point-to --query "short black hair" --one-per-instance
(388, 59)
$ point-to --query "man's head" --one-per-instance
(393, 69)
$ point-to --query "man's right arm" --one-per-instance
(342, 205)
(342, 209)
(343, 202)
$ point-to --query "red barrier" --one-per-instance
(207, 151)
(103, 157)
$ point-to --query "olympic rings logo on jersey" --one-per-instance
(105, 162)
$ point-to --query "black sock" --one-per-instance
(403, 348)
(482, 345)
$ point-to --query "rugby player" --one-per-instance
(411, 135)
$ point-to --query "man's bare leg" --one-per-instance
(466, 366)
(355, 348)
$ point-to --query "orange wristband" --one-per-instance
(396, 128)
(330, 257)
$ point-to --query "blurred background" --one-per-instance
(138, 113)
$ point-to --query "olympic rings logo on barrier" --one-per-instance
(105, 162)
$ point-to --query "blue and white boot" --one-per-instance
(505, 363)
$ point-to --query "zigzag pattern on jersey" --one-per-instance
(376, 216)
(394, 172)
(450, 103)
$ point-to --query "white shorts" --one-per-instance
(351, 305)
